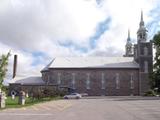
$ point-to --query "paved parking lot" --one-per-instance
(91, 108)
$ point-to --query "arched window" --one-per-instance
(131, 81)
(117, 81)
(88, 81)
(59, 79)
(73, 80)
(145, 51)
(102, 81)
(48, 78)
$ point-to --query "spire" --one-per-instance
(142, 31)
(128, 39)
(128, 46)
(141, 15)
(141, 24)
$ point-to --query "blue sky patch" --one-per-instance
(37, 55)
(70, 44)
(154, 25)
(100, 30)
(99, 2)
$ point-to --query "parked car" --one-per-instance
(84, 94)
(73, 96)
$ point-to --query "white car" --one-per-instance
(84, 94)
(73, 96)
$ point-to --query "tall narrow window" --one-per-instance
(48, 78)
(102, 81)
(117, 81)
(145, 51)
(131, 81)
(59, 79)
(145, 66)
(73, 80)
(88, 81)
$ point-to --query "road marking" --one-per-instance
(13, 109)
(35, 108)
(45, 107)
(23, 108)
(4, 110)
(69, 105)
(61, 108)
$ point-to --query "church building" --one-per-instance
(127, 75)
(110, 76)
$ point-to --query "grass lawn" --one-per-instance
(29, 101)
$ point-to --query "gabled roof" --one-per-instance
(47, 67)
(92, 62)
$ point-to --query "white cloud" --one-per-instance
(29, 21)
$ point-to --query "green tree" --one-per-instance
(3, 68)
(156, 70)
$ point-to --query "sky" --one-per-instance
(40, 30)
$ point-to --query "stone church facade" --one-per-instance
(97, 81)
(127, 75)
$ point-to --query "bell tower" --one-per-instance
(143, 56)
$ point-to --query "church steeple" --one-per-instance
(143, 56)
(128, 46)
(141, 24)
(142, 31)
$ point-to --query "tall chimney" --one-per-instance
(15, 66)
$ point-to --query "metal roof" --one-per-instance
(92, 62)
(27, 80)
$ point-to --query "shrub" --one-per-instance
(150, 93)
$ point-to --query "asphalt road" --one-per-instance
(91, 108)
